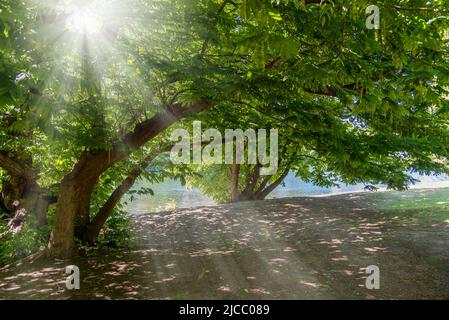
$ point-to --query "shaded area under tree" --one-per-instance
(303, 248)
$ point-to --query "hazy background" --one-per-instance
(171, 194)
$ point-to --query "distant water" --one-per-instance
(171, 194)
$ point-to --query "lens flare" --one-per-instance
(85, 20)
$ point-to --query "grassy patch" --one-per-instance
(424, 207)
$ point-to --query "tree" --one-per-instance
(356, 104)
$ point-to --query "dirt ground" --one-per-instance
(299, 248)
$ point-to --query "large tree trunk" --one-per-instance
(72, 211)
(73, 203)
(21, 195)
(235, 170)
(62, 240)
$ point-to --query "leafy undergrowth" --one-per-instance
(116, 236)
(22, 244)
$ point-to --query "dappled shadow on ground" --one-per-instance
(279, 249)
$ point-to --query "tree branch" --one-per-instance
(106, 210)
(263, 193)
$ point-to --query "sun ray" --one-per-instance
(86, 20)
